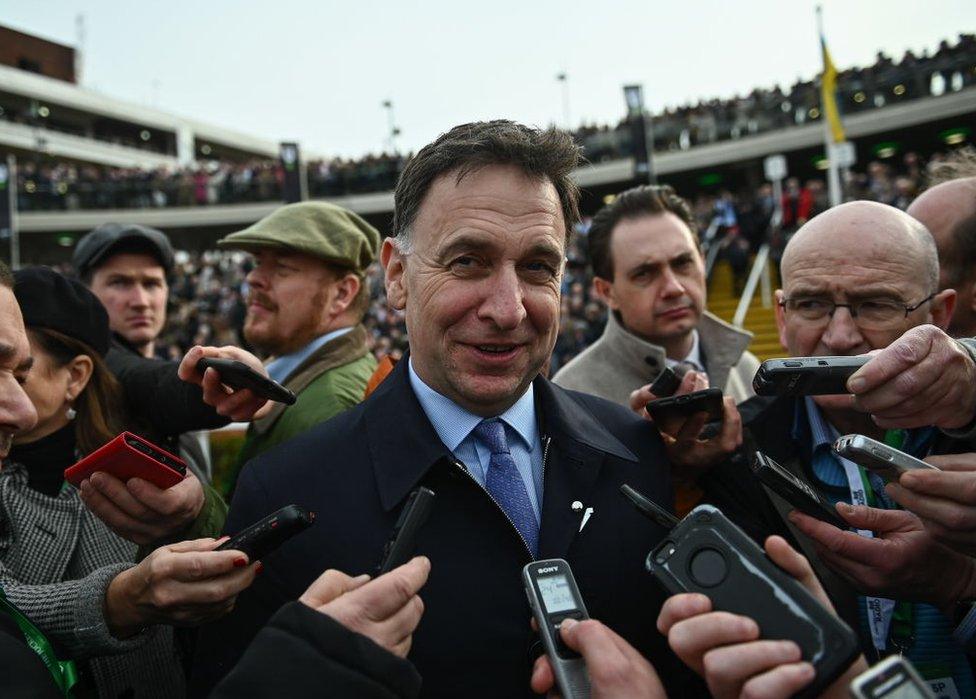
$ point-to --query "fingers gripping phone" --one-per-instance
(554, 597)
(806, 376)
(239, 375)
(130, 456)
(403, 540)
(887, 462)
(263, 537)
(708, 554)
(795, 491)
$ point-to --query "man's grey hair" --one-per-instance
(403, 242)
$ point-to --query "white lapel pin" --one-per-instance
(586, 517)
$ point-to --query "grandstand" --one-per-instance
(86, 158)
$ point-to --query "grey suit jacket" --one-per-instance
(56, 562)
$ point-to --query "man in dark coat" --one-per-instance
(522, 469)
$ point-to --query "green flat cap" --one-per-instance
(322, 230)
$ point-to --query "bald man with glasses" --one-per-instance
(863, 278)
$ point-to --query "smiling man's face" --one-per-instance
(480, 285)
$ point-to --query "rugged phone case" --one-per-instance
(130, 456)
(806, 376)
(708, 554)
(263, 537)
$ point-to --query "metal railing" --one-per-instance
(711, 247)
(758, 273)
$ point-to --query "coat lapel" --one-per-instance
(402, 442)
(579, 445)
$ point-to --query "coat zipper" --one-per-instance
(545, 456)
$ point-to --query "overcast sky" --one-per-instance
(318, 70)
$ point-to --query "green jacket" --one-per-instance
(330, 381)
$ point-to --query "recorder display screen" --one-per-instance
(557, 596)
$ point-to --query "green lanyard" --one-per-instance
(901, 634)
(64, 672)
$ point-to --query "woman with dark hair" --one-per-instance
(80, 583)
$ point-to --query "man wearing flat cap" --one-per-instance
(306, 300)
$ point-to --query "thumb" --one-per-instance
(330, 585)
(188, 366)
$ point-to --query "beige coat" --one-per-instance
(620, 362)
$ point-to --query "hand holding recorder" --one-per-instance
(185, 584)
(681, 419)
(385, 610)
(944, 498)
(902, 561)
(233, 398)
(142, 492)
(727, 573)
(616, 669)
(729, 650)
(922, 378)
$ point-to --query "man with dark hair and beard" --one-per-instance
(305, 306)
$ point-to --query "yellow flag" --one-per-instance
(828, 95)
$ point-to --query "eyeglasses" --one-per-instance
(870, 314)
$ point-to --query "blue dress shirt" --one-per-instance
(282, 367)
(454, 426)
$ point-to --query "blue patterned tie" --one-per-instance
(505, 484)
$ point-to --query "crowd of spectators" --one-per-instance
(208, 290)
(52, 185)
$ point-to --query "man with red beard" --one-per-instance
(306, 301)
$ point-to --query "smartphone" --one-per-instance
(708, 401)
(795, 491)
(887, 462)
(649, 508)
(708, 554)
(893, 678)
(666, 383)
(806, 376)
(263, 537)
(130, 456)
(239, 375)
(403, 540)
(554, 597)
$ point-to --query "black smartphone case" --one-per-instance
(707, 401)
(708, 554)
(806, 376)
(795, 491)
(239, 375)
(263, 537)
(403, 540)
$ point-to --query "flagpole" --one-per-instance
(833, 170)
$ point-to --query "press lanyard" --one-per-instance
(886, 618)
(64, 672)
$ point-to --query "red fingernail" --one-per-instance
(258, 568)
(240, 562)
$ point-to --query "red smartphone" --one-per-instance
(130, 456)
